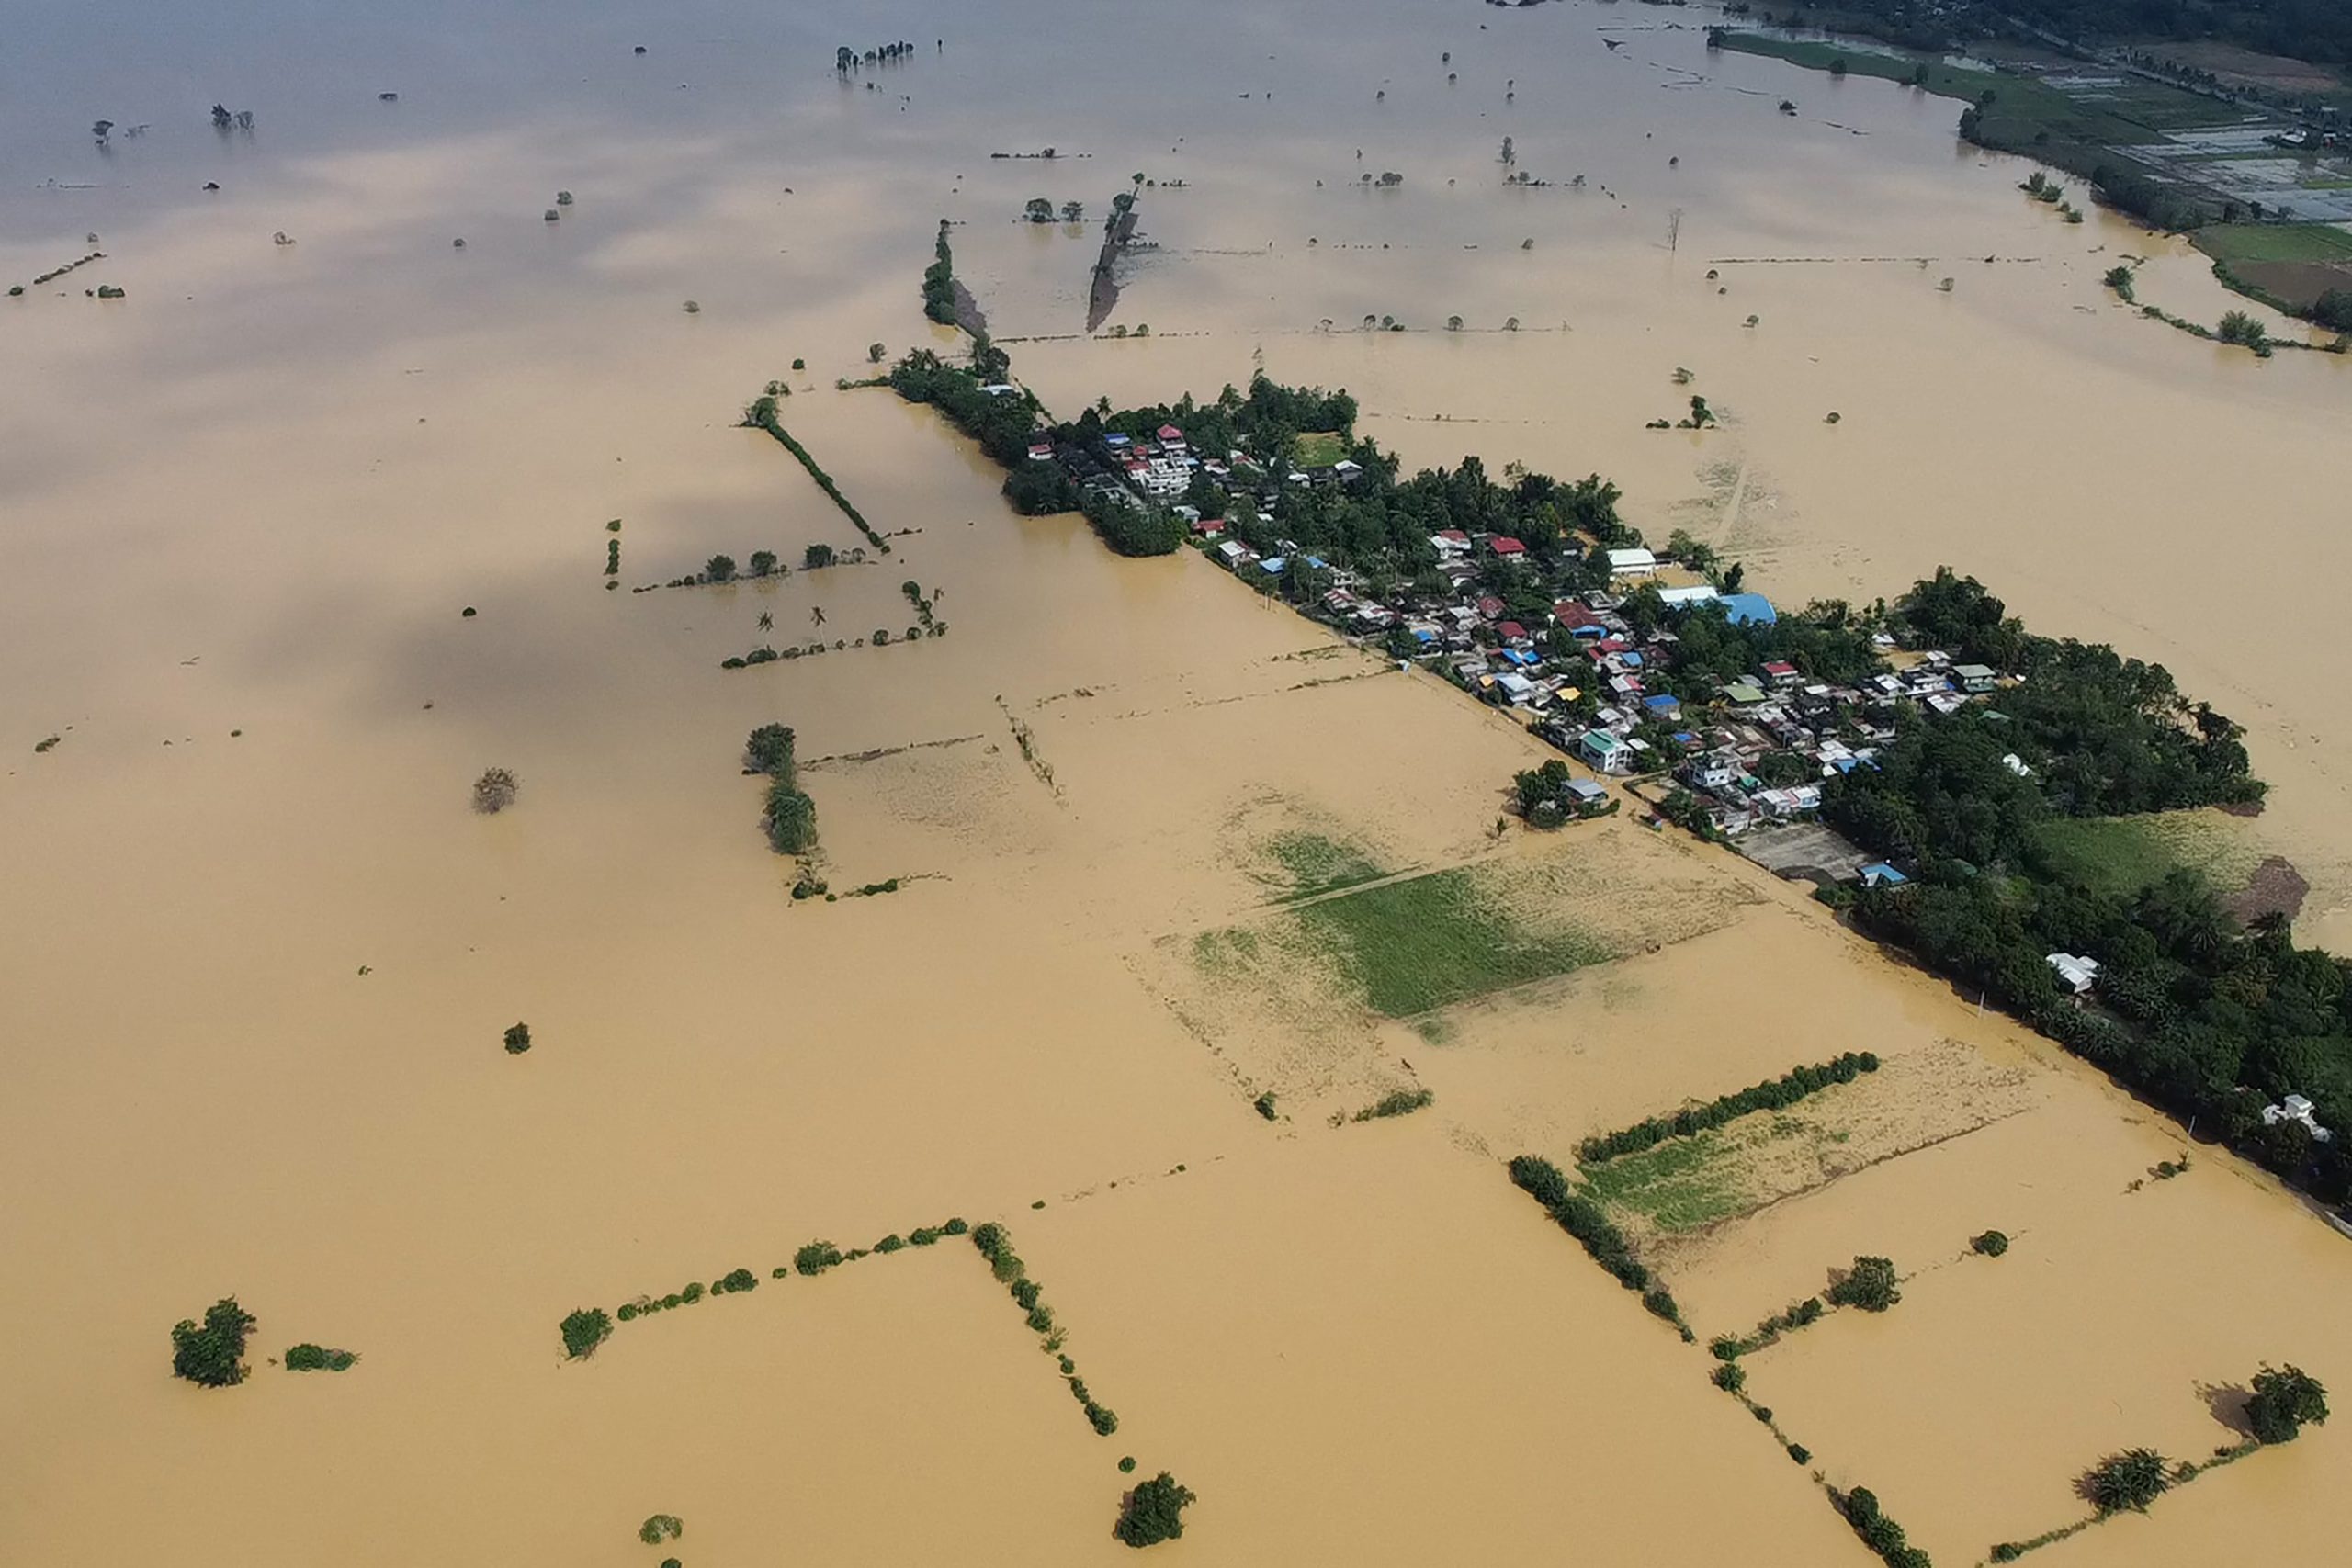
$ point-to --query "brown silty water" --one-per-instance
(251, 984)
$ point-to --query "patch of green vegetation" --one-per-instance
(1396, 1102)
(1432, 940)
(2274, 243)
(2022, 107)
(1218, 952)
(1311, 863)
(1677, 1186)
(1318, 449)
(2122, 855)
(584, 1330)
(1946, 81)
(308, 1358)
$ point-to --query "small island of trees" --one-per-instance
(1154, 1511)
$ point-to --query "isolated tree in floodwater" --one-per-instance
(1074, 212)
(2284, 1400)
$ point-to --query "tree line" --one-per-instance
(1584, 1220)
(1771, 1095)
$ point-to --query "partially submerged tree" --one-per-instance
(1154, 1511)
(212, 1353)
(1869, 1284)
(2284, 1400)
(585, 1329)
(2132, 1479)
(496, 790)
(791, 819)
(769, 750)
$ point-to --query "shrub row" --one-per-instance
(881, 639)
(1584, 1219)
(1401, 1102)
(1879, 1533)
(762, 415)
(1771, 1095)
(1808, 1311)
(995, 1244)
(939, 281)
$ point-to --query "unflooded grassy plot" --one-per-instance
(2123, 854)
(1295, 996)
(1318, 449)
(2275, 242)
(1293, 848)
(1413, 946)
(1313, 864)
(2135, 113)
(1677, 1185)
(1668, 1194)
(2126, 1311)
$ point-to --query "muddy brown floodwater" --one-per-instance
(257, 952)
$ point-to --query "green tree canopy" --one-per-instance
(212, 1353)
(1154, 1511)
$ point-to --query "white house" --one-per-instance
(2077, 974)
(1633, 563)
(2295, 1108)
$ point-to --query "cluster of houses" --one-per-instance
(1827, 729)
(1582, 679)
(1160, 468)
(1581, 676)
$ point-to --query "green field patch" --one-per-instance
(1223, 952)
(2123, 854)
(1311, 863)
(1677, 1185)
(1431, 941)
(1318, 449)
(2275, 242)
(2024, 109)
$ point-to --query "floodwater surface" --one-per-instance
(257, 952)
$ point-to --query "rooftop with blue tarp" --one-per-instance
(1748, 609)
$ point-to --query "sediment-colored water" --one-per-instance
(257, 952)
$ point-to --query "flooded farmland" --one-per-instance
(300, 537)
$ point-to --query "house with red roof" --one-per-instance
(1505, 546)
